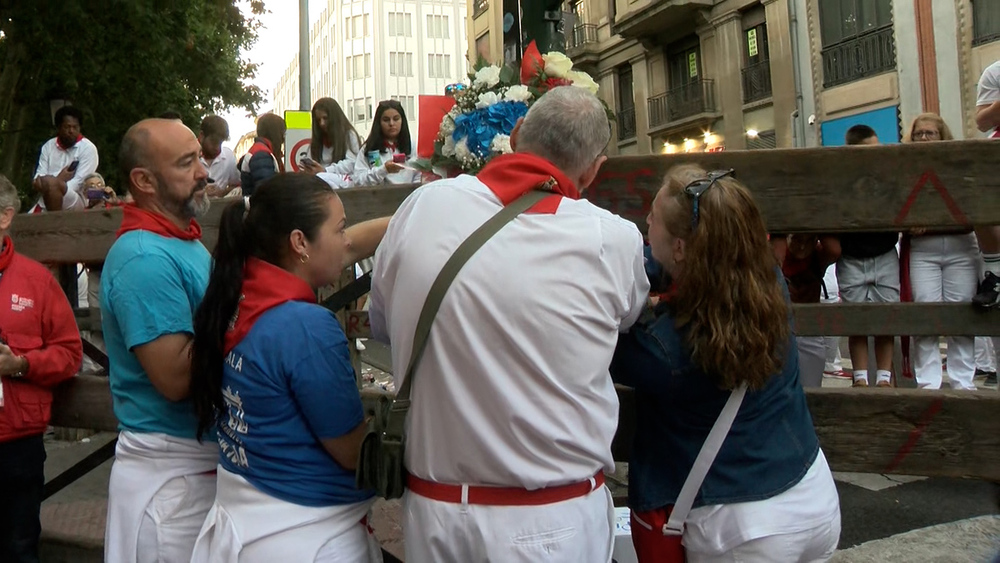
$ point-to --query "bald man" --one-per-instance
(162, 481)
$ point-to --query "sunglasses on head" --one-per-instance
(698, 187)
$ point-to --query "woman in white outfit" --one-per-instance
(334, 146)
(383, 157)
(273, 378)
(944, 267)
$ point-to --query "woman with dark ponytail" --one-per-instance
(272, 376)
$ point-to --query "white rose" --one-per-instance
(487, 99)
(462, 152)
(501, 144)
(488, 76)
(448, 149)
(583, 80)
(557, 64)
(518, 93)
(447, 126)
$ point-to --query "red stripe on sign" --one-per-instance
(916, 433)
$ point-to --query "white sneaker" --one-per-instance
(359, 344)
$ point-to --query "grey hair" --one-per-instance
(93, 175)
(568, 126)
(8, 195)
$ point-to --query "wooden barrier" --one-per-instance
(801, 190)
(934, 185)
(902, 431)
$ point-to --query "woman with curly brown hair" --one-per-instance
(721, 347)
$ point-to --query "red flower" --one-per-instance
(551, 83)
(531, 63)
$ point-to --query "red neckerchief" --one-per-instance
(265, 286)
(509, 176)
(391, 147)
(59, 143)
(7, 254)
(136, 219)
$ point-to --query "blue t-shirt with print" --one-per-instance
(150, 287)
(287, 385)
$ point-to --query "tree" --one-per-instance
(120, 61)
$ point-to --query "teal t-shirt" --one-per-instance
(150, 286)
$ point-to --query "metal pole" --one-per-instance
(305, 104)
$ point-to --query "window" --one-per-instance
(359, 66)
(400, 24)
(358, 113)
(479, 7)
(483, 46)
(684, 66)
(985, 21)
(843, 20)
(756, 57)
(439, 66)
(437, 27)
(626, 104)
(857, 39)
(400, 64)
(356, 27)
(407, 103)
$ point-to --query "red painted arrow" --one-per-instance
(932, 178)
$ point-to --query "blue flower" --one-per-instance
(479, 127)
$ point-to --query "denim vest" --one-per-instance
(770, 446)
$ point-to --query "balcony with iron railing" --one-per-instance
(582, 34)
(866, 55)
(757, 82)
(626, 124)
(686, 101)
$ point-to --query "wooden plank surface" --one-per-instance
(901, 431)
(899, 319)
(84, 402)
(805, 190)
(86, 236)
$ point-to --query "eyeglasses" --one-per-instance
(698, 187)
(926, 134)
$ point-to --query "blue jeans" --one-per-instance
(22, 478)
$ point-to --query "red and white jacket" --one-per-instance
(36, 322)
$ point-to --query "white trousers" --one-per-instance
(832, 295)
(812, 360)
(173, 518)
(809, 546)
(986, 358)
(944, 268)
(578, 530)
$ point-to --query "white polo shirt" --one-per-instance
(223, 169)
(53, 159)
(513, 388)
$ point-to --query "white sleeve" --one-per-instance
(235, 178)
(43, 161)
(636, 283)
(988, 90)
(88, 165)
(364, 175)
(346, 167)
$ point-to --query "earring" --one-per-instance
(304, 258)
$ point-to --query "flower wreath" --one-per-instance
(478, 126)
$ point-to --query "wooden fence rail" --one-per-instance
(890, 188)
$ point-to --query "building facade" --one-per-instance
(364, 51)
(709, 75)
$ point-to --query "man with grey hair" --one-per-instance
(512, 408)
(39, 348)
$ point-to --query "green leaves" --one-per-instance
(120, 61)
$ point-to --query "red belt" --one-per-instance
(502, 496)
